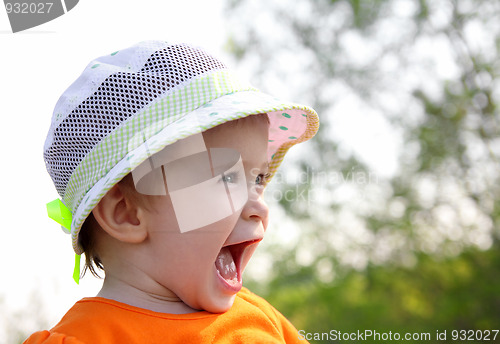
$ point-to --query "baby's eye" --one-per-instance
(262, 179)
(230, 177)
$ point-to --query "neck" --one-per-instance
(164, 301)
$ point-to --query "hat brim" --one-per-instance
(290, 124)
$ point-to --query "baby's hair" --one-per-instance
(87, 235)
(87, 241)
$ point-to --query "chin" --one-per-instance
(221, 305)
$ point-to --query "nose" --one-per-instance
(256, 209)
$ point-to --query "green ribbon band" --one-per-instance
(58, 212)
(76, 271)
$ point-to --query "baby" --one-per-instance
(161, 156)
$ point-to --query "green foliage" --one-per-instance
(458, 293)
(418, 249)
(365, 12)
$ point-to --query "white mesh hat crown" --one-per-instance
(164, 92)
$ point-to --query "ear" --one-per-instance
(120, 217)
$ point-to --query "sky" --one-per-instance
(37, 65)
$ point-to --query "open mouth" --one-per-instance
(228, 263)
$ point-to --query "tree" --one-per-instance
(424, 76)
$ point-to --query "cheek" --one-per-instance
(176, 258)
(222, 227)
(201, 243)
(174, 252)
(207, 211)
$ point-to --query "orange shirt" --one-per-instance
(96, 320)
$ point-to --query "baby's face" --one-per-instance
(200, 263)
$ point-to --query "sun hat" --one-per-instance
(165, 92)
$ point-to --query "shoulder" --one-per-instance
(46, 337)
(286, 330)
(97, 320)
(88, 318)
(255, 300)
(258, 306)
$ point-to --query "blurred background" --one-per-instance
(401, 227)
(389, 219)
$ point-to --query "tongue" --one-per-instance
(226, 267)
